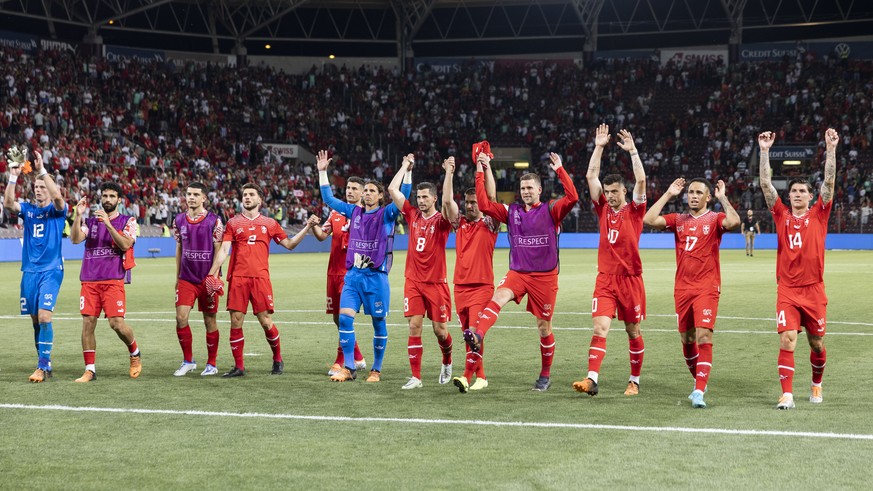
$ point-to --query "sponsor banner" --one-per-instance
(854, 50)
(624, 55)
(682, 56)
(452, 65)
(181, 58)
(17, 40)
(792, 153)
(48, 44)
(283, 150)
(114, 54)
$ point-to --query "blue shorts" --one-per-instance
(40, 291)
(368, 288)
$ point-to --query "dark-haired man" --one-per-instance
(698, 272)
(619, 290)
(426, 291)
(109, 237)
(801, 230)
(533, 227)
(248, 275)
(198, 234)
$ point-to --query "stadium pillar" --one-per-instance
(241, 53)
(92, 44)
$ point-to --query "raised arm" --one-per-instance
(488, 205)
(121, 240)
(9, 201)
(291, 242)
(403, 176)
(626, 142)
(560, 207)
(450, 208)
(50, 186)
(601, 138)
(653, 216)
(830, 171)
(321, 163)
(732, 220)
(77, 236)
(765, 141)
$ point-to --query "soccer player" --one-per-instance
(475, 236)
(533, 258)
(198, 234)
(750, 228)
(801, 230)
(425, 291)
(698, 272)
(42, 264)
(109, 237)
(619, 287)
(368, 260)
(248, 275)
(337, 227)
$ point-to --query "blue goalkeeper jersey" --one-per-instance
(43, 233)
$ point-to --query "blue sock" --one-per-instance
(44, 345)
(347, 339)
(36, 337)
(380, 341)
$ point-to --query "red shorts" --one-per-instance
(187, 293)
(243, 289)
(431, 299)
(804, 306)
(696, 309)
(470, 300)
(619, 296)
(541, 289)
(334, 291)
(105, 296)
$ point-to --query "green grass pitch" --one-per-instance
(301, 431)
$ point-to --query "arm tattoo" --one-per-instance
(830, 175)
(770, 194)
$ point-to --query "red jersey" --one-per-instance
(619, 249)
(426, 254)
(801, 244)
(697, 249)
(339, 243)
(251, 237)
(474, 244)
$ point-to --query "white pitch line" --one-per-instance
(252, 322)
(462, 422)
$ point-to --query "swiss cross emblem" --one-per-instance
(705, 229)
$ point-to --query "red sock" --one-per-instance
(470, 363)
(704, 367)
(446, 347)
(415, 353)
(818, 362)
(132, 347)
(340, 359)
(596, 353)
(358, 355)
(487, 318)
(480, 365)
(547, 354)
(275, 343)
(636, 349)
(786, 370)
(690, 352)
(184, 335)
(90, 356)
(237, 343)
(212, 347)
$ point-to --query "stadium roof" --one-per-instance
(434, 27)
